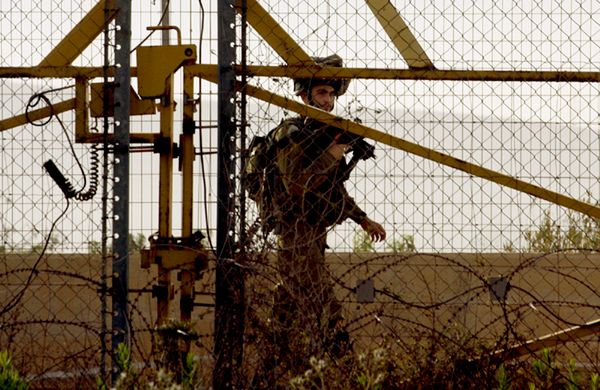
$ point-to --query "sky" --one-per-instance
(544, 133)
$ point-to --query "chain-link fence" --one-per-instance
(484, 179)
(455, 268)
(58, 257)
(53, 314)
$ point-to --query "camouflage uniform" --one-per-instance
(309, 197)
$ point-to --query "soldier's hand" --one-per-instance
(373, 229)
(338, 150)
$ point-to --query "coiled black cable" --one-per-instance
(91, 192)
(65, 185)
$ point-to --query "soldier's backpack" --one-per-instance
(260, 169)
(259, 176)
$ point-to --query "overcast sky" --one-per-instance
(544, 133)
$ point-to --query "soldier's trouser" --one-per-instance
(305, 297)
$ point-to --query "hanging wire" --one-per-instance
(80, 195)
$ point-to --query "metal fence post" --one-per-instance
(229, 306)
(120, 270)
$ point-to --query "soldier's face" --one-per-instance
(323, 97)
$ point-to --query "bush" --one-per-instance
(9, 377)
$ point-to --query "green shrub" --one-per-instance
(174, 369)
(9, 377)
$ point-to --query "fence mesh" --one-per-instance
(469, 267)
(52, 275)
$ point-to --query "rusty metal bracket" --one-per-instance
(176, 253)
(163, 291)
(138, 106)
(85, 107)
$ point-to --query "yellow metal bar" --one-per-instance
(399, 33)
(81, 107)
(157, 63)
(410, 74)
(138, 106)
(553, 339)
(187, 155)
(81, 133)
(92, 24)
(36, 115)
(274, 34)
(87, 72)
(306, 72)
(186, 160)
(166, 109)
(407, 146)
(134, 138)
(165, 197)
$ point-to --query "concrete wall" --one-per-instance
(414, 296)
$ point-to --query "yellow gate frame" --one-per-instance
(185, 253)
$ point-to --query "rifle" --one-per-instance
(324, 135)
(361, 150)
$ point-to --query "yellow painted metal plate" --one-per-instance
(138, 106)
(156, 63)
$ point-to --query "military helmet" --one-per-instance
(340, 85)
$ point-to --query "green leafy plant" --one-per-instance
(362, 243)
(544, 369)
(9, 377)
(128, 377)
(190, 372)
(580, 233)
(573, 377)
(372, 369)
(502, 379)
(123, 358)
(162, 377)
(100, 384)
(405, 244)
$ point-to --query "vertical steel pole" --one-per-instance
(186, 303)
(105, 217)
(165, 202)
(120, 266)
(187, 275)
(229, 303)
(243, 124)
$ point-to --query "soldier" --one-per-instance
(308, 198)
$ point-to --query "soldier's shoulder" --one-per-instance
(288, 129)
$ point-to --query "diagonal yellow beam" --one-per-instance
(400, 34)
(64, 106)
(274, 34)
(88, 28)
(36, 115)
(210, 73)
(63, 54)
